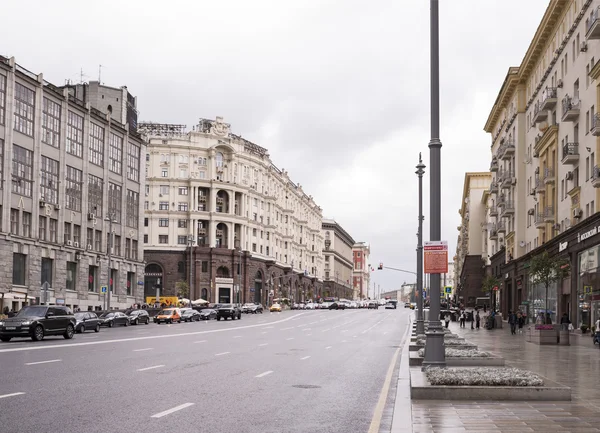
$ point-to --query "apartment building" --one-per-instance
(544, 127)
(339, 264)
(469, 260)
(362, 270)
(221, 216)
(66, 167)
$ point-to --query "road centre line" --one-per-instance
(266, 373)
(325, 330)
(43, 362)
(307, 329)
(124, 340)
(14, 394)
(285, 329)
(306, 357)
(170, 411)
(222, 353)
(328, 347)
(200, 341)
(150, 368)
(237, 336)
(368, 329)
(263, 344)
(143, 350)
(288, 339)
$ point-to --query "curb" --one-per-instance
(402, 417)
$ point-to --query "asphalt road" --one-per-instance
(296, 371)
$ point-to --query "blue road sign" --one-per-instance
(104, 289)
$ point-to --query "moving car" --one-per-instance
(168, 315)
(87, 321)
(231, 311)
(37, 321)
(139, 316)
(252, 308)
(208, 314)
(275, 308)
(114, 318)
(190, 315)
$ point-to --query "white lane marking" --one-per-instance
(344, 341)
(368, 329)
(150, 368)
(288, 339)
(43, 362)
(170, 411)
(237, 336)
(307, 329)
(222, 353)
(270, 327)
(325, 330)
(143, 350)
(14, 394)
(264, 344)
(200, 341)
(312, 323)
(266, 373)
(285, 329)
(124, 340)
(264, 332)
(308, 335)
(328, 347)
(306, 357)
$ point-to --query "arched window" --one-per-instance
(204, 294)
(219, 159)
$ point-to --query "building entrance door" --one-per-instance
(224, 295)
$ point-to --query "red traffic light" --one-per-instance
(380, 266)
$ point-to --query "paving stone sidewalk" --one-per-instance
(576, 366)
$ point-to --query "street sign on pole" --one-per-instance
(448, 289)
(436, 257)
(103, 289)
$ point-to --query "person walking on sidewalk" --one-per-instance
(520, 321)
(462, 319)
(512, 320)
(564, 322)
(447, 319)
(477, 320)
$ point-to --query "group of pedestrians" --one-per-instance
(464, 317)
(516, 320)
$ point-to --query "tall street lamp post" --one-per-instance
(435, 355)
(111, 219)
(420, 324)
(191, 244)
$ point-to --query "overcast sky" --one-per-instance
(336, 90)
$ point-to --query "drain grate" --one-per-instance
(306, 386)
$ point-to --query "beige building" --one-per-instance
(339, 264)
(66, 166)
(544, 128)
(471, 242)
(361, 275)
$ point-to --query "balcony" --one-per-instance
(493, 211)
(508, 177)
(549, 214)
(548, 175)
(539, 221)
(596, 125)
(494, 165)
(592, 25)
(493, 187)
(493, 233)
(549, 99)
(570, 108)
(596, 177)
(539, 115)
(501, 227)
(508, 208)
(570, 153)
(540, 187)
(508, 149)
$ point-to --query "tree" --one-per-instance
(546, 270)
(183, 289)
(488, 284)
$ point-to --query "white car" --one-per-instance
(309, 306)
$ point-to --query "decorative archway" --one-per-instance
(222, 235)
(153, 279)
(204, 294)
(258, 287)
(223, 272)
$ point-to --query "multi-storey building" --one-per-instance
(66, 167)
(362, 270)
(220, 215)
(468, 263)
(447, 281)
(545, 127)
(339, 264)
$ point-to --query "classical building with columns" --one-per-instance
(221, 216)
(339, 261)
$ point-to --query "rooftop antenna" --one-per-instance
(99, 74)
(81, 76)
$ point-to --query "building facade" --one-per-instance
(339, 264)
(362, 270)
(66, 167)
(221, 216)
(447, 282)
(468, 262)
(545, 127)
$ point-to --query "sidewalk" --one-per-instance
(576, 366)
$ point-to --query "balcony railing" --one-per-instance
(494, 187)
(507, 178)
(549, 98)
(570, 108)
(501, 227)
(548, 175)
(596, 125)
(549, 214)
(540, 187)
(539, 220)
(570, 153)
(494, 165)
(508, 149)
(539, 115)
(592, 25)
(508, 207)
(596, 177)
(493, 211)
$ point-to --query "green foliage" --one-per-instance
(488, 283)
(182, 288)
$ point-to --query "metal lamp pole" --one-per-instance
(420, 324)
(191, 244)
(435, 355)
(109, 218)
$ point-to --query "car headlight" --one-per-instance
(26, 323)
(1, 323)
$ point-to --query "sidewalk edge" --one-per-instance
(402, 416)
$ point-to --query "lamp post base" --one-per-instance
(435, 352)
(420, 329)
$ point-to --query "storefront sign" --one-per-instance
(587, 235)
(563, 246)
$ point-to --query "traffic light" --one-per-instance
(380, 266)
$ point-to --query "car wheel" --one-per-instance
(127, 323)
(97, 328)
(5, 339)
(69, 332)
(147, 321)
(38, 333)
(240, 316)
(136, 322)
(110, 324)
(218, 318)
(81, 329)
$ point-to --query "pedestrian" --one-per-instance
(471, 319)
(564, 322)
(512, 320)
(520, 321)
(447, 319)
(477, 319)
(462, 319)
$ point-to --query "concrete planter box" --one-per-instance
(564, 338)
(414, 347)
(491, 361)
(542, 336)
(421, 389)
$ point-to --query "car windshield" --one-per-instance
(107, 315)
(226, 306)
(165, 313)
(79, 316)
(37, 311)
(187, 312)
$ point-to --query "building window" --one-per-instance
(133, 162)
(71, 276)
(134, 249)
(22, 174)
(117, 245)
(27, 224)
(46, 271)
(49, 180)
(74, 134)
(163, 205)
(145, 239)
(14, 222)
(182, 224)
(1, 162)
(163, 189)
(53, 230)
(19, 268)
(183, 190)
(182, 240)
(130, 283)
(164, 172)
(114, 201)
(95, 195)
(204, 266)
(92, 276)
(127, 248)
(76, 234)
(67, 232)
(115, 154)
(51, 123)
(42, 228)
(24, 109)
(163, 239)
(182, 207)
(90, 238)
(98, 241)
(96, 145)
(163, 222)
(133, 209)
(74, 181)
(254, 248)
(2, 99)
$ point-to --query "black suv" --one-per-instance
(37, 321)
(229, 311)
(139, 316)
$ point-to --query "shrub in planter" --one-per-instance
(460, 353)
(482, 376)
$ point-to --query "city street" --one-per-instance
(296, 371)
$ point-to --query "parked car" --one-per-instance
(139, 316)
(168, 315)
(231, 311)
(373, 305)
(114, 318)
(208, 314)
(37, 321)
(252, 308)
(337, 306)
(87, 321)
(190, 315)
